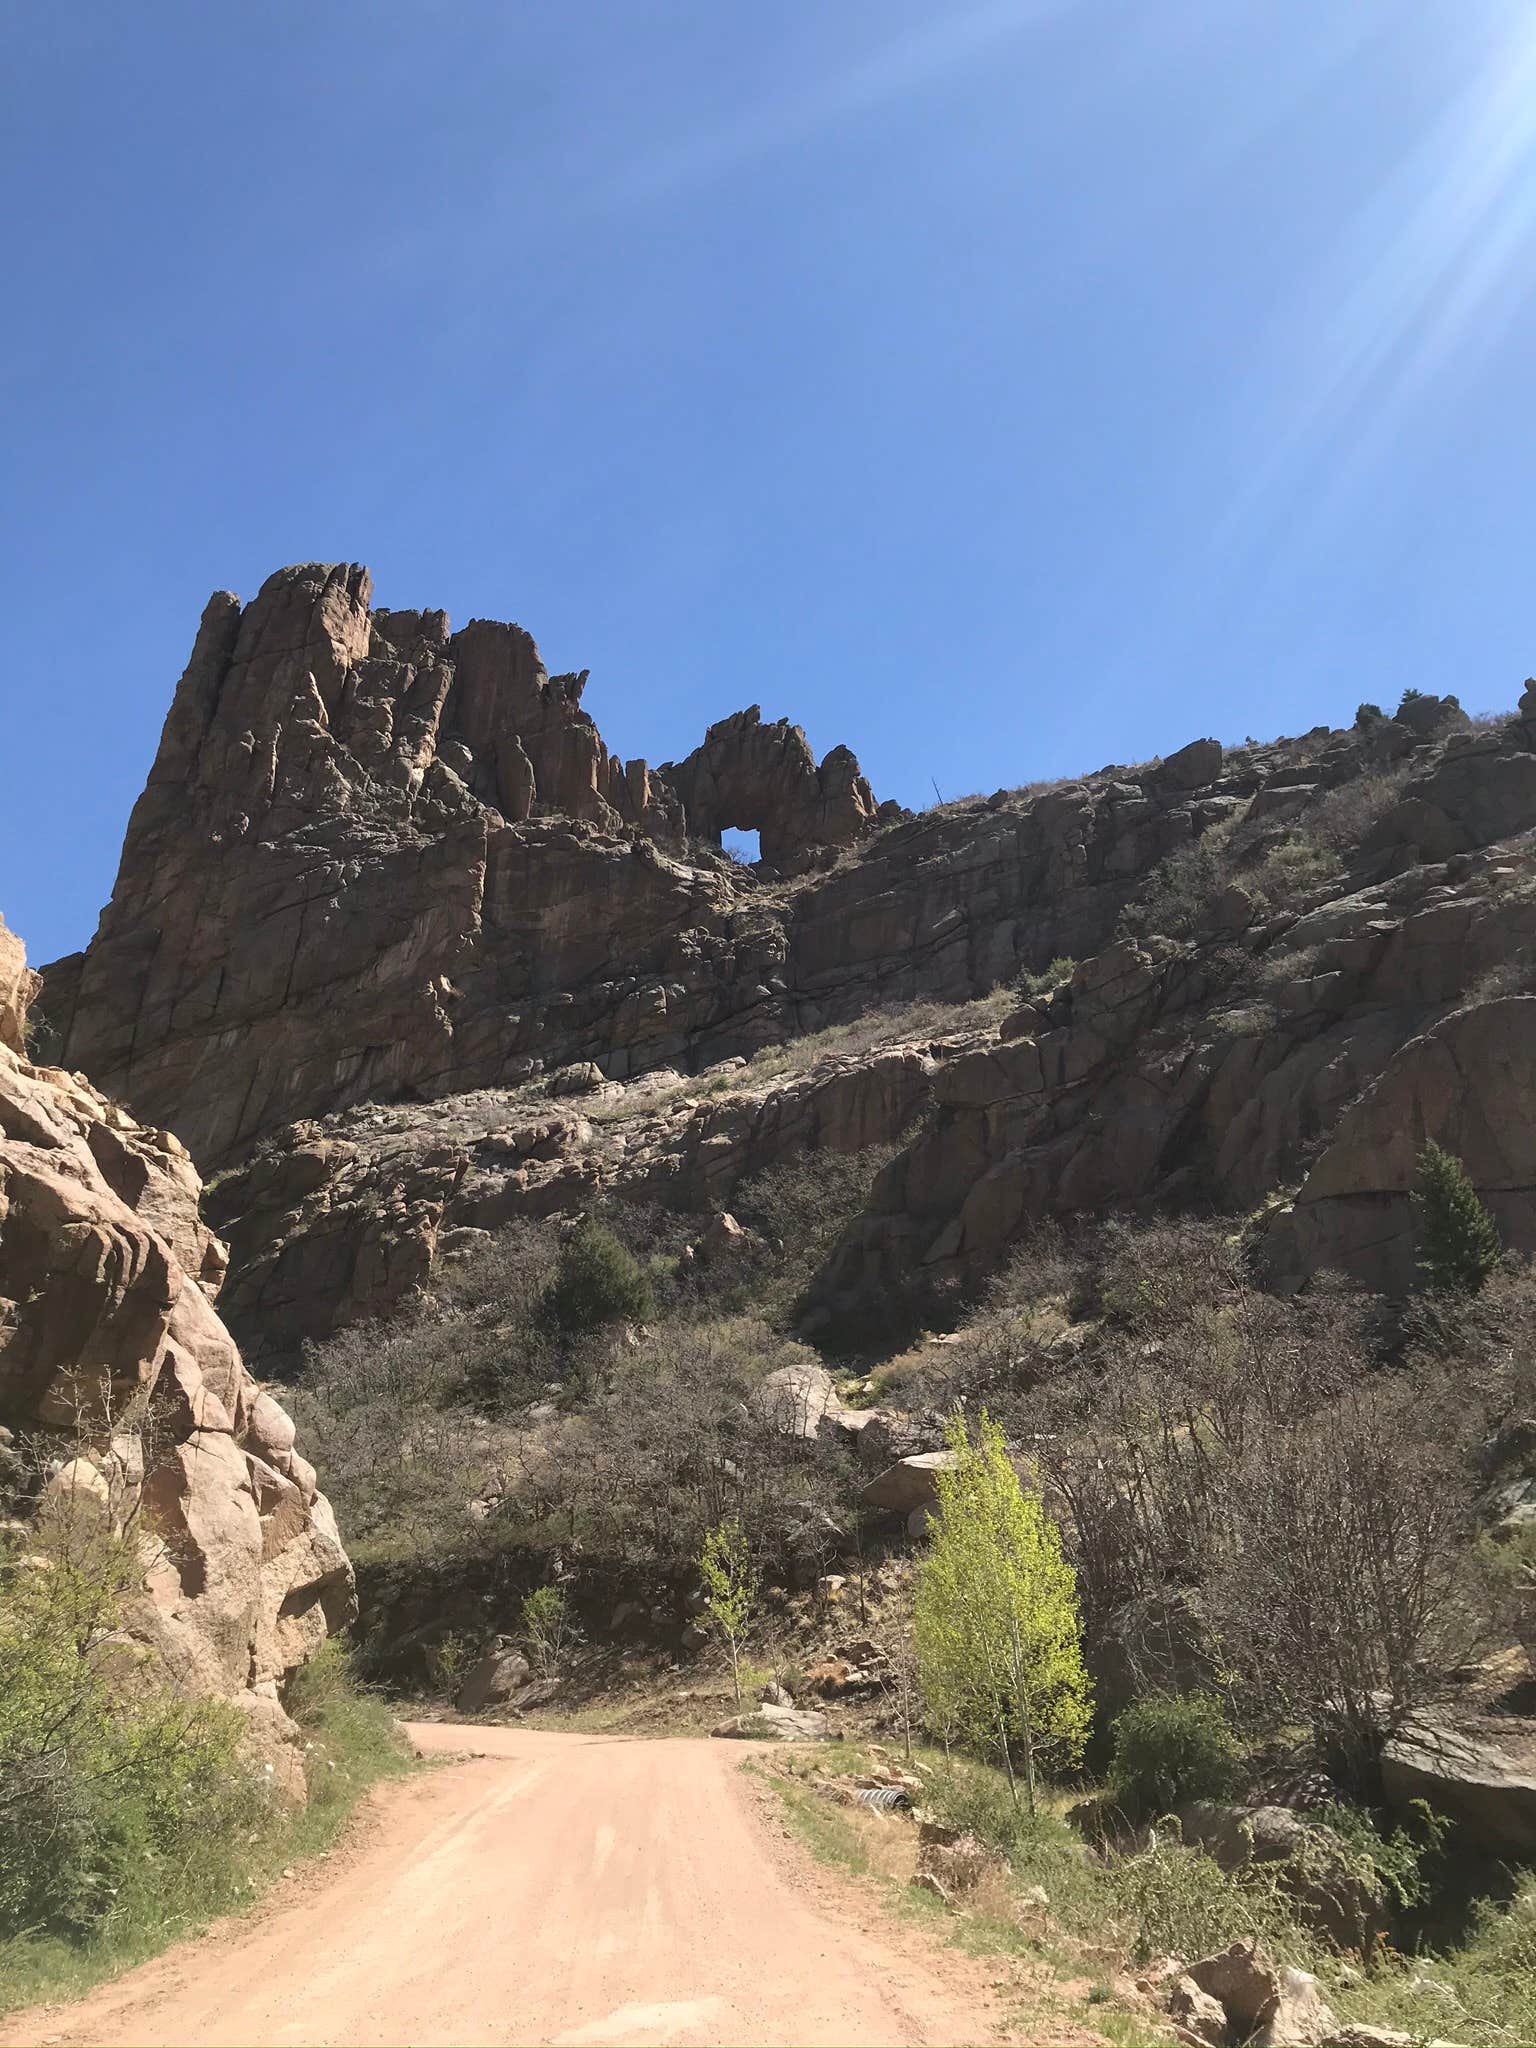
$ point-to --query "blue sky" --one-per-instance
(999, 386)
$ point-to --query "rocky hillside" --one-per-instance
(401, 952)
(124, 1402)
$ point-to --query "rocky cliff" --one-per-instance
(375, 859)
(399, 948)
(123, 1395)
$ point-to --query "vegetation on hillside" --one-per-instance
(1261, 1532)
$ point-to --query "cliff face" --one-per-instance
(1303, 1053)
(122, 1393)
(386, 885)
(377, 860)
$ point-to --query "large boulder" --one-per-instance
(1470, 1774)
(775, 1724)
(112, 1356)
(797, 1399)
(1268, 2005)
(1192, 767)
(495, 1679)
(910, 1483)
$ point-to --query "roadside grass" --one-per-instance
(1056, 1989)
(1108, 1915)
(351, 1744)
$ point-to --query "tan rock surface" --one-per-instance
(16, 987)
(113, 1359)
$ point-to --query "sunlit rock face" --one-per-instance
(124, 1396)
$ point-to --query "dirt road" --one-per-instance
(568, 1889)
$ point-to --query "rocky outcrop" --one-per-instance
(337, 1220)
(1218, 1070)
(126, 1397)
(390, 919)
(17, 984)
(1470, 1084)
(1481, 1774)
(378, 860)
(764, 779)
(375, 857)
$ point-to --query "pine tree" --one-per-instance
(1458, 1240)
(597, 1282)
(998, 1635)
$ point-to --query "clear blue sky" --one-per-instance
(1000, 386)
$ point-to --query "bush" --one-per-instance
(548, 1628)
(1368, 715)
(110, 1781)
(1170, 1750)
(1181, 1902)
(597, 1282)
(1056, 975)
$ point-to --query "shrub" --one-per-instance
(547, 1627)
(1169, 1750)
(1458, 1241)
(111, 1783)
(1178, 895)
(1056, 975)
(597, 1282)
(1368, 715)
(1181, 1902)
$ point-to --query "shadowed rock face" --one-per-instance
(1148, 1078)
(116, 1369)
(379, 860)
(764, 779)
(374, 856)
(379, 863)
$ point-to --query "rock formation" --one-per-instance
(17, 983)
(378, 861)
(370, 859)
(764, 779)
(391, 922)
(335, 1221)
(1312, 1051)
(117, 1375)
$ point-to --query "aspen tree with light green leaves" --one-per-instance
(996, 1624)
(730, 1590)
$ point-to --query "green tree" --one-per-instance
(1458, 1241)
(547, 1626)
(730, 1590)
(597, 1282)
(996, 1624)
